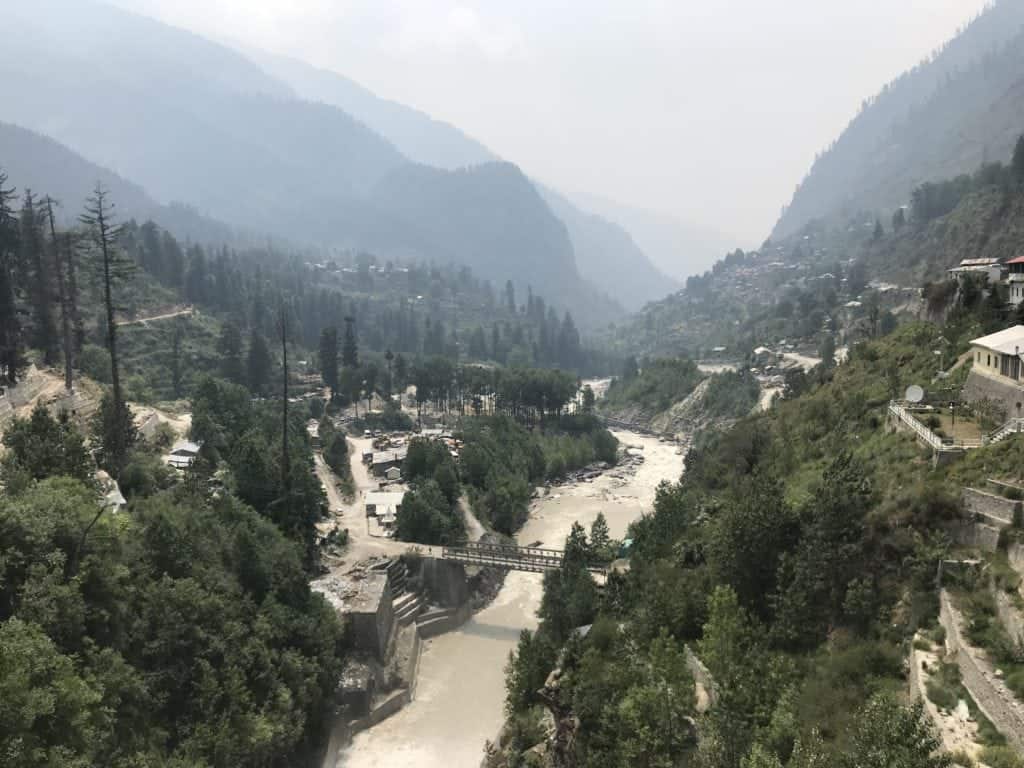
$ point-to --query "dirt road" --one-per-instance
(153, 318)
(351, 515)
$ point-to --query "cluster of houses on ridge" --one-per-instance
(1008, 273)
(997, 370)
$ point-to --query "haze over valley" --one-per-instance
(587, 385)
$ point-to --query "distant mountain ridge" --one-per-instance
(605, 252)
(945, 117)
(39, 163)
(417, 135)
(188, 119)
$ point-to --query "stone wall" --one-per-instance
(1015, 554)
(982, 387)
(968, 533)
(992, 506)
(1009, 614)
(992, 696)
(449, 622)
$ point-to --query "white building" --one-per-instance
(999, 354)
(183, 454)
(383, 503)
(989, 268)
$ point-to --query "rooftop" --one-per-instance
(385, 498)
(1009, 341)
(386, 457)
(185, 446)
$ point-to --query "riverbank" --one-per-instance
(461, 682)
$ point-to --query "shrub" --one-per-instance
(94, 362)
(1001, 757)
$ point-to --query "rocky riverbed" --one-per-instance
(460, 688)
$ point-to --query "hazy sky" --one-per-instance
(711, 111)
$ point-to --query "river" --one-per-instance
(461, 685)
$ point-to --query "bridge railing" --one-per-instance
(534, 559)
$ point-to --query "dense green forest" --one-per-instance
(796, 557)
(515, 432)
(181, 630)
(183, 633)
(954, 111)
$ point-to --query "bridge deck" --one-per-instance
(530, 559)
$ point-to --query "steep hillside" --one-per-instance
(604, 251)
(41, 164)
(492, 217)
(419, 136)
(677, 248)
(194, 121)
(945, 117)
(607, 254)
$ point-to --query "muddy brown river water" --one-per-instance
(461, 688)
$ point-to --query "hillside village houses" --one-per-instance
(997, 373)
(1009, 273)
(1015, 280)
(183, 454)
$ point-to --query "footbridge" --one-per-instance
(530, 559)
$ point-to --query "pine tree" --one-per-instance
(350, 347)
(44, 330)
(114, 269)
(77, 325)
(12, 357)
(229, 347)
(62, 296)
(259, 364)
(177, 341)
(1018, 160)
(599, 533)
(286, 464)
(329, 359)
(899, 219)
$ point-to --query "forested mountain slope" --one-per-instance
(420, 137)
(604, 251)
(948, 115)
(194, 121)
(41, 164)
(607, 254)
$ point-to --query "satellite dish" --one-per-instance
(914, 394)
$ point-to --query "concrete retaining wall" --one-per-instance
(992, 696)
(990, 505)
(982, 387)
(455, 619)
